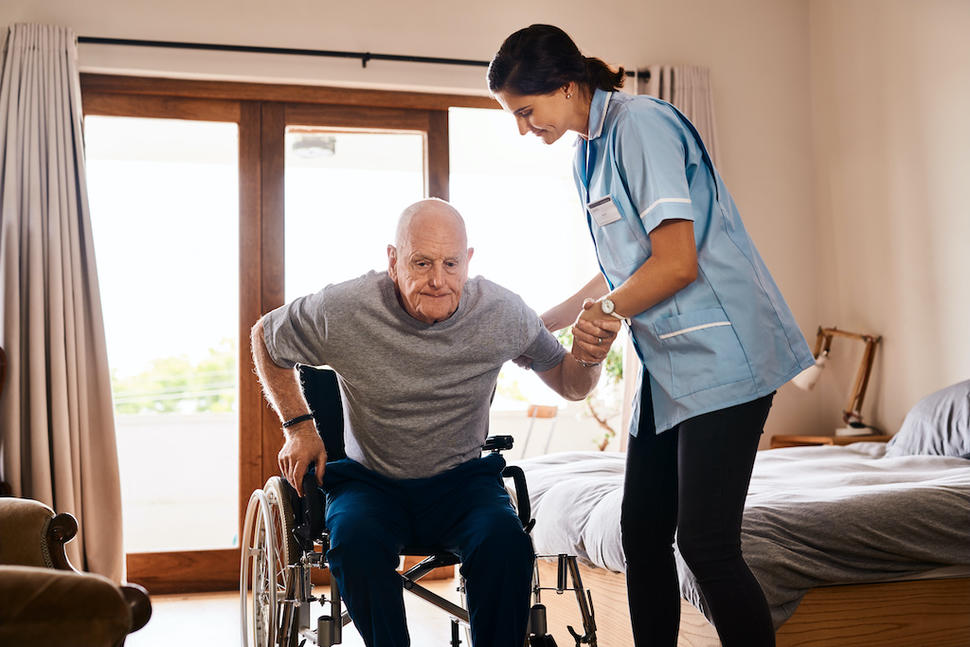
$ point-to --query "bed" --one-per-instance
(864, 544)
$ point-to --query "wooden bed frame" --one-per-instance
(895, 614)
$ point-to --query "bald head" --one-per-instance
(429, 260)
(432, 213)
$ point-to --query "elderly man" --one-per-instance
(417, 351)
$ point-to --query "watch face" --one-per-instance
(607, 306)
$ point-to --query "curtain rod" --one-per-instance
(363, 56)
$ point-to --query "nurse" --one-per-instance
(710, 326)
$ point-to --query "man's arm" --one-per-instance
(281, 386)
(574, 377)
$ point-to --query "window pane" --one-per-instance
(344, 193)
(164, 210)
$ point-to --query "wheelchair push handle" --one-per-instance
(498, 443)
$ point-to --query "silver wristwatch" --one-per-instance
(609, 308)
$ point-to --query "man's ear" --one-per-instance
(392, 261)
(471, 250)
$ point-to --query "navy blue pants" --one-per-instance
(466, 510)
(692, 480)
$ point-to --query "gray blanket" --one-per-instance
(815, 516)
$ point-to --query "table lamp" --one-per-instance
(806, 380)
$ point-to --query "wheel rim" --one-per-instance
(259, 566)
(245, 553)
(264, 588)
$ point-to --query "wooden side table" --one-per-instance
(783, 440)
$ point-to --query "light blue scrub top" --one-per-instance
(728, 337)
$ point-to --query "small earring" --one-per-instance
(569, 95)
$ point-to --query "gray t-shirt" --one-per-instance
(415, 395)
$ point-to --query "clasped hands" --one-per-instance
(593, 333)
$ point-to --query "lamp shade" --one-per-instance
(806, 379)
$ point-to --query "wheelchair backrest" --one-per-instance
(322, 393)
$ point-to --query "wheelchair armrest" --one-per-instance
(497, 443)
(522, 504)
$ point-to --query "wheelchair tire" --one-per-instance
(263, 577)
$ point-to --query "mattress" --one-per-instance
(815, 516)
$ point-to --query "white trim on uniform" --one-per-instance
(684, 331)
(661, 201)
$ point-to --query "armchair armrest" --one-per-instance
(61, 529)
(42, 606)
(139, 603)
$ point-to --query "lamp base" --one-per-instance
(855, 431)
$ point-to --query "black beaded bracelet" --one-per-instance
(297, 420)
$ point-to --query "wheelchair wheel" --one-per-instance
(264, 579)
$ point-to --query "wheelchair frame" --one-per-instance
(280, 548)
(276, 591)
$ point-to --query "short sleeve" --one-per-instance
(296, 333)
(545, 351)
(651, 151)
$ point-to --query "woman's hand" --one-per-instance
(593, 333)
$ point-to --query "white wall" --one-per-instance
(890, 101)
(757, 51)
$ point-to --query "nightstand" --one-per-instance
(799, 441)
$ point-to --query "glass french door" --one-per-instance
(164, 212)
(206, 213)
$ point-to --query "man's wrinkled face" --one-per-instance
(430, 266)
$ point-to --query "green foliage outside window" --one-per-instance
(179, 385)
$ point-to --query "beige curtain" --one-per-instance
(688, 88)
(57, 438)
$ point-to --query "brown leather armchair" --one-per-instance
(44, 600)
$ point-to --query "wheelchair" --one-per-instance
(285, 539)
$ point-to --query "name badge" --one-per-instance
(604, 211)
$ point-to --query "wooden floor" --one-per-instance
(212, 620)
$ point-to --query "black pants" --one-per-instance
(692, 479)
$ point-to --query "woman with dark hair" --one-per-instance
(710, 326)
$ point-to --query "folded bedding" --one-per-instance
(815, 516)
